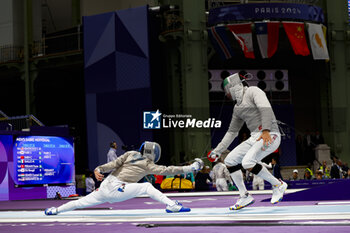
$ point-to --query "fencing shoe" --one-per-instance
(177, 207)
(278, 191)
(51, 211)
(242, 202)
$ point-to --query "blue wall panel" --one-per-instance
(117, 80)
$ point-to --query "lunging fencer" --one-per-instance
(253, 108)
(121, 184)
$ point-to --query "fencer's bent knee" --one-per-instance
(229, 162)
(226, 162)
(247, 163)
(147, 186)
(234, 168)
(256, 169)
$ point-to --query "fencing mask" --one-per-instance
(233, 86)
(150, 150)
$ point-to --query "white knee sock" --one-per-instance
(158, 196)
(237, 178)
(266, 175)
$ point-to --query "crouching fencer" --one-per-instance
(121, 184)
(253, 108)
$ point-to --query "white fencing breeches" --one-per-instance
(221, 184)
(250, 152)
(113, 190)
(258, 183)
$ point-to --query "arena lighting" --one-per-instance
(349, 10)
(163, 8)
(262, 85)
(268, 80)
(279, 75)
(261, 75)
(279, 85)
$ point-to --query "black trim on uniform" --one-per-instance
(234, 168)
(256, 169)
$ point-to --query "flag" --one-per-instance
(219, 39)
(317, 41)
(243, 34)
(324, 29)
(267, 35)
(296, 35)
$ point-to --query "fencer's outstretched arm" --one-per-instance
(232, 132)
(164, 170)
(173, 170)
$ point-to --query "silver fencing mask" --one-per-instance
(151, 150)
(233, 85)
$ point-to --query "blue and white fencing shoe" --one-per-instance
(177, 207)
(51, 211)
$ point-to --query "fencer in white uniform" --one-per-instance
(221, 176)
(253, 108)
(120, 184)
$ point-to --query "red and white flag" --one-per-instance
(296, 35)
(243, 34)
(267, 34)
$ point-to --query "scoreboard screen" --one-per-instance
(43, 160)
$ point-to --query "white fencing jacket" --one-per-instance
(256, 111)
